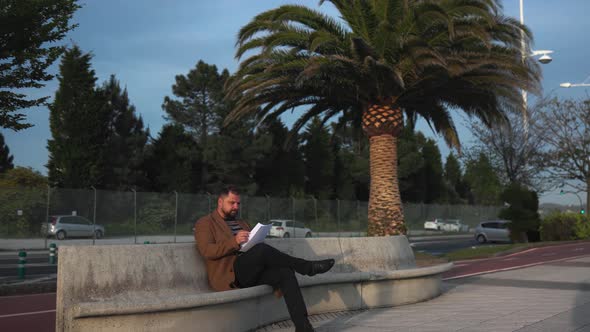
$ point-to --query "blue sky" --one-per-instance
(145, 43)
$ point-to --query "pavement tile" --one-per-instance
(535, 299)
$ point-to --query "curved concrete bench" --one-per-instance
(164, 287)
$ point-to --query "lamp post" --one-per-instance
(582, 211)
(544, 59)
(572, 85)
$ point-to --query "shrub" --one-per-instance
(582, 227)
(522, 211)
(559, 227)
(31, 202)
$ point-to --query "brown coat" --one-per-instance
(217, 245)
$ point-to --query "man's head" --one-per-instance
(228, 202)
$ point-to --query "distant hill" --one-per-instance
(545, 208)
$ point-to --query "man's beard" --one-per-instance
(231, 214)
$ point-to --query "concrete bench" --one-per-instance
(164, 287)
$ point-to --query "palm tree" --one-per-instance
(381, 60)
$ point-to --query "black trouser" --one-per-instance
(263, 264)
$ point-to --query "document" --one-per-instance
(257, 235)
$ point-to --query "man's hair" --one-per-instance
(229, 189)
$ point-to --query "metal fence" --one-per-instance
(136, 217)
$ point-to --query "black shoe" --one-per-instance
(318, 267)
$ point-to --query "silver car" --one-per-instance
(492, 231)
(71, 226)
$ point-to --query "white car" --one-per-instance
(454, 225)
(288, 228)
(435, 225)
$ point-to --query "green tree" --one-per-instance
(432, 173)
(410, 165)
(79, 126)
(171, 161)
(453, 175)
(280, 172)
(23, 177)
(125, 145)
(351, 161)
(28, 35)
(522, 211)
(319, 160)
(483, 181)
(5, 156)
(23, 202)
(420, 168)
(232, 156)
(344, 158)
(383, 59)
(198, 105)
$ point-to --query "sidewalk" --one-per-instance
(549, 297)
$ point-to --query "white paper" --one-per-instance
(257, 235)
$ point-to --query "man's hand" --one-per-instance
(242, 237)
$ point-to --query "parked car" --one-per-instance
(492, 231)
(71, 226)
(447, 225)
(288, 228)
(435, 224)
(454, 225)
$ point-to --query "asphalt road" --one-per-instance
(37, 265)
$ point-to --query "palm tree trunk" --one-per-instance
(386, 215)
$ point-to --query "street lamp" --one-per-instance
(572, 85)
(582, 210)
(544, 59)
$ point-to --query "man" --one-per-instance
(219, 236)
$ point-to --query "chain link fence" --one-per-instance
(137, 217)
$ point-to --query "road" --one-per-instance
(37, 264)
(37, 312)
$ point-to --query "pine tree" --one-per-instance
(29, 32)
(456, 186)
(200, 98)
(483, 180)
(124, 148)
(319, 160)
(410, 164)
(5, 156)
(171, 161)
(432, 173)
(79, 126)
(232, 153)
(280, 171)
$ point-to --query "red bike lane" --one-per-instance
(36, 313)
(529, 257)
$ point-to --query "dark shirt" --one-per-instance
(234, 226)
